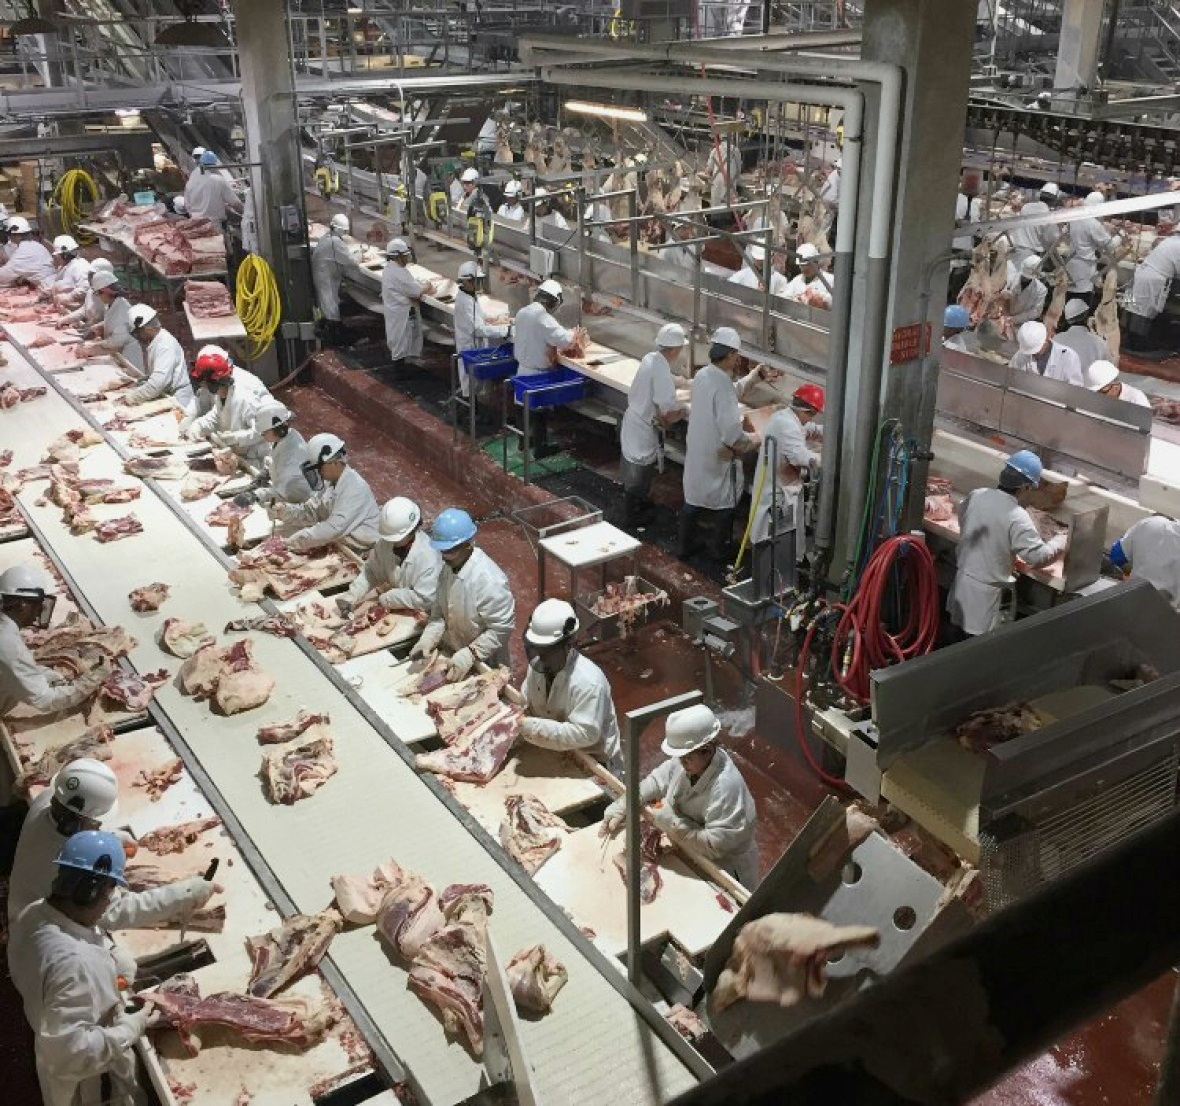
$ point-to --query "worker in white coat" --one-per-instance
(209, 193)
(750, 274)
(474, 613)
(113, 334)
(71, 281)
(84, 796)
(548, 213)
(1075, 334)
(716, 442)
(401, 295)
(1035, 240)
(90, 312)
(698, 797)
(568, 699)
(165, 368)
(956, 330)
(829, 191)
(808, 284)
(1028, 293)
(331, 262)
(67, 971)
(1104, 377)
(1150, 550)
(30, 262)
(343, 509)
(652, 407)
(233, 396)
(1149, 290)
(994, 528)
(27, 600)
(288, 455)
(537, 339)
(511, 208)
(777, 507)
(472, 330)
(402, 568)
(1087, 238)
(722, 170)
(1038, 353)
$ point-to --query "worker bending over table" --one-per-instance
(403, 567)
(72, 278)
(89, 313)
(288, 455)
(208, 194)
(29, 262)
(165, 367)
(228, 400)
(697, 796)
(1150, 550)
(474, 613)
(567, 695)
(113, 334)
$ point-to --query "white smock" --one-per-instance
(23, 680)
(232, 418)
(1063, 364)
(712, 471)
(30, 262)
(203, 402)
(817, 293)
(472, 331)
(1026, 241)
(512, 212)
(1086, 238)
(747, 277)
(90, 313)
(794, 456)
(994, 528)
(1028, 301)
(1131, 394)
(116, 333)
(209, 195)
(474, 609)
(285, 467)
(346, 511)
(1153, 277)
(1085, 343)
(1152, 547)
(574, 711)
(653, 393)
(829, 191)
(724, 154)
(534, 333)
(165, 371)
(403, 328)
(716, 812)
(72, 278)
(331, 262)
(407, 583)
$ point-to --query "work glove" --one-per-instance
(344, 606)
(217, 439)
(130, 1027)
(428, 642)
(462, 663)
(611, 823)
(1058, 543)
(90, 682)
(530, 728)
(264, 496)
(665, 818)
(196, 891)
(278, 511)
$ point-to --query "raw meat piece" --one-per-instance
(431, 678)
(197, 228)
(243, 690)
(10, 395)
(466, 904)
(182, 639)
(116, 528)
(289, 951)
(148, 598)
(409, 914)
(460, 709)
(271, 565)
(1047, 526)
(535, 977)
(686, 1023)
(359, 898)
(90, 493)
(624, 601)
(228, 676)
(207, 299)
(448, 972)
(156, 781)
(131, 691)
(828, 853)
(77, 645)
(81, 437)
(198, 485)
(257, 1020)
(156, 468)
(200, 673)
(651, 845)
(781, 958)
(280, 625)
(275, 733)
(938, 508)
(40, 339)
(5, 458)
(225, 461)
(480, 755)
(95, 743)
(209, 919)
(289, 775)
(176, 838)
(530, 831)
(1166, 409)
(79, 519)
(978, 732)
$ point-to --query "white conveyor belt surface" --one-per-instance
(592, 1044)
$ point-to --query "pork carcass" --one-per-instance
(176, 838)
(651, 846)
(477, 757)
(409, 914)
(256, 1020)
(979, 731)
(459, 709)
(289, 951)
(131, 691)
(94, 743)
(279, 625)
(198, 485)
(155, 781)
(989, 277)
(530, 831)
(148, 598)
(115, 529)
(276, 733)
(294, 773)
(359, 898)
(1052, 315)
(182, 639)
(1105, 320)
(535, 977)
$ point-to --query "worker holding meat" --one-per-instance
(1026, 296)
(568, 697)
(1026, 240)
(750, 274)
(209, 193)
(697, 796)
(994, 528)
(808, 284)
(403, 567)
(30, 262)
(401, 297)
(71, 978)
(538, 338)
(27, 600)
(72, 279)
(474, 613)
(343, 509)
(1038, 353)
(1087, 239)
(288, 455)
(228, 401)
(90, 312)
(331, 262)
(166, 370)
(1150, 550)
(113, 334)
(472, 330)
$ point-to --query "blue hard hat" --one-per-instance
(453, 527)
(956, 317)
(95, 852)
(209, 158)
(1027, 464)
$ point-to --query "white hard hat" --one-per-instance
(1031, 337)
(756, 254)
(470, 175)
(806, 252)
(688, 729)
(1031, 265)
(728, 337)
(324, 447)
(197, 152)
(271, 415)
(1051, 188)
(102, 265)
(340, 222)
(399, 517)
(1075, 309)
(1094, 198)
(553, 622)
(551, 288)
(141, 314)
(470, 270)
(18, 224)
(1101, 374)
(25, 581)
(179, 206)
(671, 336)
(512, 188)
(63, 243)
(87, 787)
(397, 248)
(102, 278)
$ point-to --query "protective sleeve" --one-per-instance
(726, 829)
(582, 727)
(1026, 542)
(497, 610)
(653, 786)
(71, 1044)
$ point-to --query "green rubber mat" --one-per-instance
(548, 466)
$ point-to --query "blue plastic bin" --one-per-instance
(550, 389)
(493, 363)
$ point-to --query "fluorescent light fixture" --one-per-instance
(606, 111)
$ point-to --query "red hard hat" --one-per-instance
(214, 363)
(812, 395)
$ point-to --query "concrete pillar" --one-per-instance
(1077, 50)
(276, 176)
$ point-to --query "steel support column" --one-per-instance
(1077, 47)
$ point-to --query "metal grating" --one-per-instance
(1015, 865)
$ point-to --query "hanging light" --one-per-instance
(33, 24)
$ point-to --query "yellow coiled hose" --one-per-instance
(257, 301)
(70, 194)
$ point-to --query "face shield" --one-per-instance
(39, 603)
(313, 476)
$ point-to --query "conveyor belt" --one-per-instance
(594, 1042)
